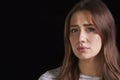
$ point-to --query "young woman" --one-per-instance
(90, 45)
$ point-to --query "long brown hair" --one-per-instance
(105, 23)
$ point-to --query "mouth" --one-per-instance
(82, 49)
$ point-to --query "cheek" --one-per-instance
(73, 39)
(96, 41)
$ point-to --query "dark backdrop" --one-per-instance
(38, 36)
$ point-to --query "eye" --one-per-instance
(74, 30)
(90, 29)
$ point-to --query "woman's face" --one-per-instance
(84, 38)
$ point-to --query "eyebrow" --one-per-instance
(89, 24)
(86, 25)
(74, 25)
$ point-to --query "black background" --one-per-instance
(35, 43)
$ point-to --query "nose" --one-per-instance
(82, 37)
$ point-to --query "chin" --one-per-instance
(85, 58)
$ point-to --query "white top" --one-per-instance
(52, 74)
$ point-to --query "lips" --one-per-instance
(82, 48)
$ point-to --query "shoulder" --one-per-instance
(50, 74)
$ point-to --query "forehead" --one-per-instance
(81, 17)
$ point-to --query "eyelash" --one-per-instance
(74, 30)
(90, 29)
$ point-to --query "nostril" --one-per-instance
(82, 38)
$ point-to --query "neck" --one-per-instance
(91, 67)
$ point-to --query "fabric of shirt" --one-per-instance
(52, 74)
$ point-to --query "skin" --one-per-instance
(86, 43)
